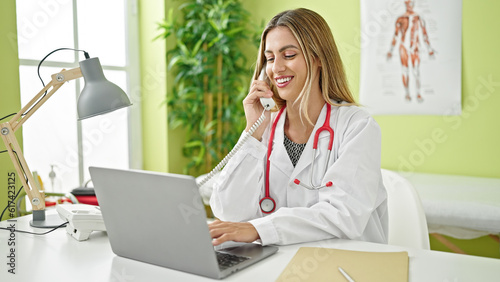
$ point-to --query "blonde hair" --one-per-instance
(316, 42)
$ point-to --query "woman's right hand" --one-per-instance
(253, 108)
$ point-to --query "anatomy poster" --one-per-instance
(411, 57)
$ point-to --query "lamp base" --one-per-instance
(49, 221)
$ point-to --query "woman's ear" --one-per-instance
(317, 61)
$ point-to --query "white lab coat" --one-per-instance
(355, 207)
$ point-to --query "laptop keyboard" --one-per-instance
(227, 260)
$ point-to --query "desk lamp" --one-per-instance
(99, 96)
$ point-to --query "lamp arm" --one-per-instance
(34, 104)
(37, 199)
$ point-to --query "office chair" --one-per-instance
(407, 222)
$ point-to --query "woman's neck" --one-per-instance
(299, 129)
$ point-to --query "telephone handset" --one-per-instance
(268, 104)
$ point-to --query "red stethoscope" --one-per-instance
(267, 204)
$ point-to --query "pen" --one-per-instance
(346, 275)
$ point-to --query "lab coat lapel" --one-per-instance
(279, 156)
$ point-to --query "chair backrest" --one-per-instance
(407, 223)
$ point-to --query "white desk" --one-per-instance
(58, 257)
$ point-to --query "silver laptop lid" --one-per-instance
(156, 218)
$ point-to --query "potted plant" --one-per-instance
(211, 77)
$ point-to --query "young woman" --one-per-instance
(277, 188)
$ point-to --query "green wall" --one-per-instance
(467, 144)
(9, 97)
(161, 145)
(471, 140)
(154, 83)
(461, 145)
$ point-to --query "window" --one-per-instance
(52, 137)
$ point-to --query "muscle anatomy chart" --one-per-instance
(411, 56)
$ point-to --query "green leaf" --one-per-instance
(221, 24)
(197, 47)
(183, 48)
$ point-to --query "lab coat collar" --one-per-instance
(306, 157)
(283, 163)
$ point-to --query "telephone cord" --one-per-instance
(238, 145)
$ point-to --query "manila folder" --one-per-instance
(322, 264)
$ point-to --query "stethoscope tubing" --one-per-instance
(326, 126)
(268, 200)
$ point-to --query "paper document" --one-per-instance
(322, 264)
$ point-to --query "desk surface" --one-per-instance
(58, 257)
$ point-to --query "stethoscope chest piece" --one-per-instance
(267, 205)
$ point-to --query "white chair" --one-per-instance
(407, 222)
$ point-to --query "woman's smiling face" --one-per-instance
(286, 66)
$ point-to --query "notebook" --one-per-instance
(159, 218)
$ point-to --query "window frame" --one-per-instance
(132, 73)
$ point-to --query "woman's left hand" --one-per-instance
(222, 231)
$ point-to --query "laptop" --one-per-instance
(159, 218)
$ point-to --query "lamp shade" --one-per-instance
(99, 96)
